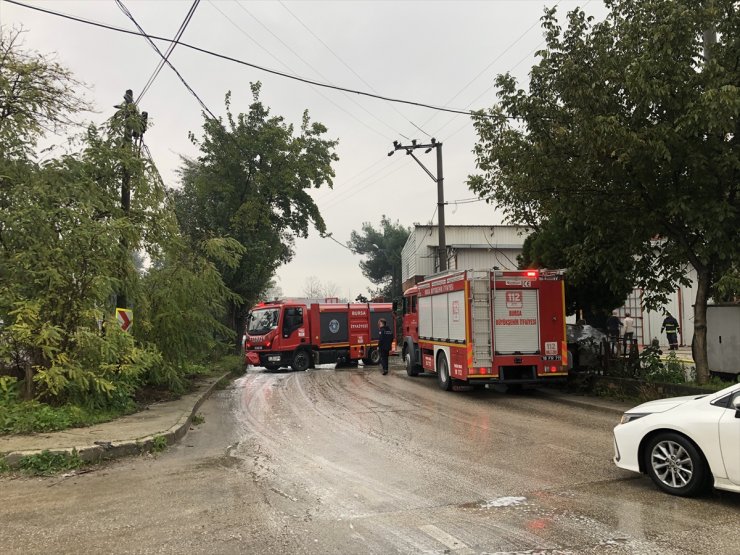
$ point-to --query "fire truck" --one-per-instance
(304, 333)
(487, 327)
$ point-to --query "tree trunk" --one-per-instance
(699, 347)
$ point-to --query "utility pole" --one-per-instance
(133, 126)
(439, 179)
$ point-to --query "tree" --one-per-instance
(590, 292)
(250, 183)
(382, 247)
(630, 132)
(315, 289)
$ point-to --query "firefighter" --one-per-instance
(629, 331)
(671, 327)
(385, 341)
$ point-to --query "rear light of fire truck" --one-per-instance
(532, 273)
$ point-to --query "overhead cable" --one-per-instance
(249, 64)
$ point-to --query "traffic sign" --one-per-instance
(125, 318)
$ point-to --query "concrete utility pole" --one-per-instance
(439, 179)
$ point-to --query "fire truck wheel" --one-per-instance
(271, 367)
(411, 368)
(443, 373)
(373, 359)
(301, 361)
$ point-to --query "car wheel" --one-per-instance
(301, 361)
(676, 465)
(443, 373)
(411, 368)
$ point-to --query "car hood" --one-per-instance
(662, 405)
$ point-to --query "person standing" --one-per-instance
(385, 341)
(612, 327)
(671, 327)
(629, 330)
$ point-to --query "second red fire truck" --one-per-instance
(302, 333)
(487, 327)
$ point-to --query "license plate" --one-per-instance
(552, 357)
(273, 358)
(257, 348)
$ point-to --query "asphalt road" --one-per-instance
(350, 461)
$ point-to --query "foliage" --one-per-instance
(198, 419)
(314, 288)
(591, 291)
(182, 299)
(251, 183)
(47, 463)
(624, 129)
(727, 288)
(36, 95)
(159, 444)
(26, 417)
(382, 247)
(655, 370)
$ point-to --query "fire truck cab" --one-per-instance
(487, 327)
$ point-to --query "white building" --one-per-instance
(488, 246)
(468, 246)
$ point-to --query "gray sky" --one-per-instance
(441, 53)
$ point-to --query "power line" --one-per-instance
(350, 114)
(247, 64)
(156, 48)
(169, 51)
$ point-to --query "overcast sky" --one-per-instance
(440, 53)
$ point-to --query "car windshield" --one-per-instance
(262, 321)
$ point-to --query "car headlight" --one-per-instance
(630, 416)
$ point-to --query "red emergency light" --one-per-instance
(532, 273)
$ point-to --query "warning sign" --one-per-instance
(125, 318)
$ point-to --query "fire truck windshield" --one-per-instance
(262, 321)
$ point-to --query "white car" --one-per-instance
(685, 444)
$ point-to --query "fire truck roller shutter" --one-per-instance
(440, 318)
(334, 328)
(425, 317)
(457, 307)
(516, 321)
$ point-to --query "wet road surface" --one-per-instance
(350, 461)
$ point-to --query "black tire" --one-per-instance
(411, 368)
(443, 373)
(301, 361)
(373, 358)
(271, 367)
(676, 466)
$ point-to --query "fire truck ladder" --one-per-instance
(480, 292)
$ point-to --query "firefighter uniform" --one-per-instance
(671, 327)
(385, 341)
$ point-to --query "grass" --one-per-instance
(46, 463)
(197, 420)
(159, 444)
(25, 417)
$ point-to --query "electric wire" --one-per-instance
(245, 63)
(241, 30)
(156, 48)
(308, 64)
(345, 64)
(169, 51)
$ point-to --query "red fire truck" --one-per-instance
(487, 327)
(302, 333)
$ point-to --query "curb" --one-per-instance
(114, 450)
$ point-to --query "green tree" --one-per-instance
(250, 183)
(630, 132)
(591, 292)
(382, 247)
